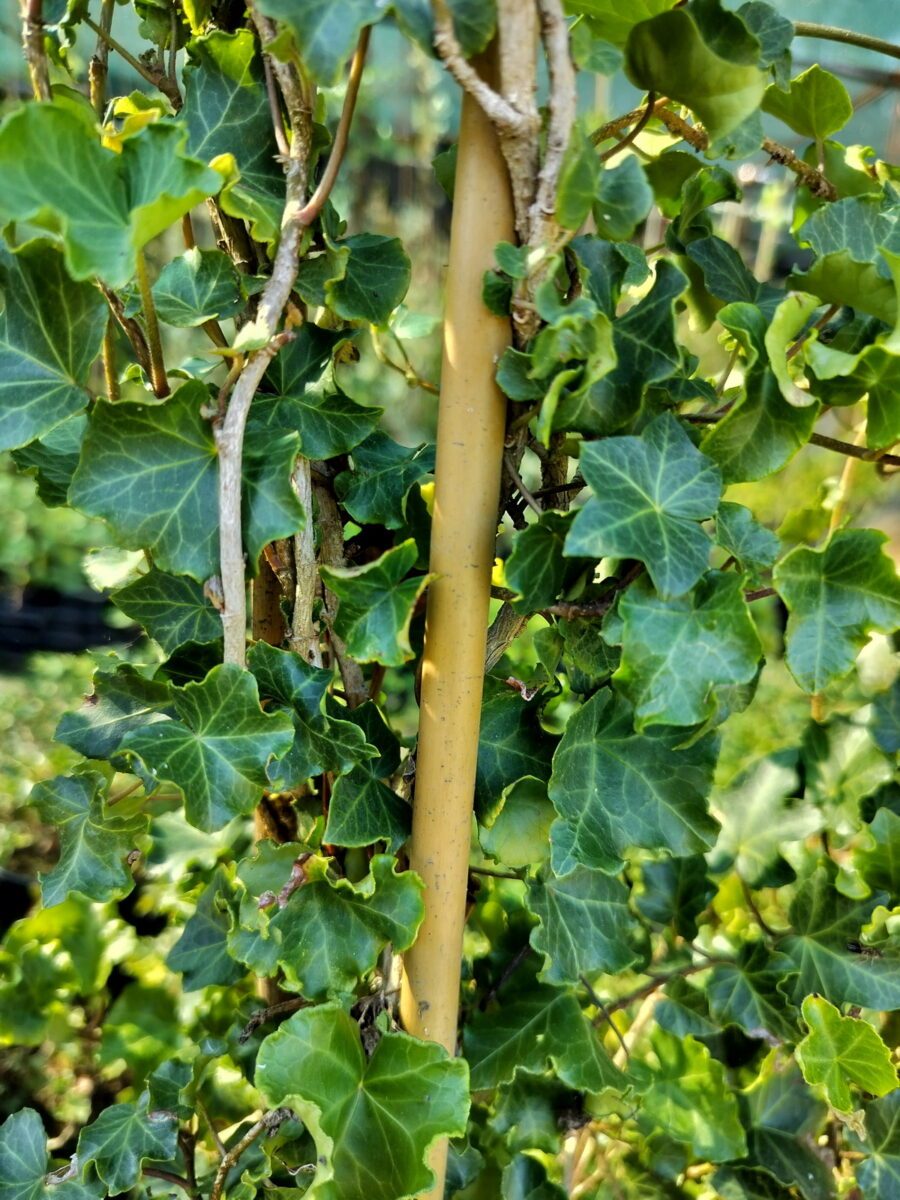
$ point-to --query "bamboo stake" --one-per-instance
(467, 484)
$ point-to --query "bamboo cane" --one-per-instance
(471, 426)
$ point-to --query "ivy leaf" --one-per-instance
(537, 1025)
(132, 197)
(610, 21)
(623, 200)
(374, 492)
(886, 719)
(825, 923)
(687, 1095)
(782, 1117)
(301, 398)
(325, 32)
(151, 471)
(703, 57)
(201, 955)
(585, 924)
(24, 1164)
(519, 834)
(536, 568)
(330, 932)
(95, 838)
(172, 608)
(618, 789)
(122, 1138)
(727, 277)
(754, 547)
(53, 459)
(761, 433)
(122, 700)
(841, 1051)
(217, 752)
(376, 604)
(51, 330)
(316, 1064)
(879, 1174)
(363, 808)
(676, 652)
(645, 352)
(815, 105)
(650, 493)
(835, 597)
(746, 993)
(675, 892)
(227, 117)
(320, 743)
(198, 286)
(511, 743)
(362, 278)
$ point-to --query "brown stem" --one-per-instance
(284, 148)
(818, 439)
(99, 64)
(629, 137)
(157, 78)
(562, 105)
(269, 1122)
(129, 327)
(110, 374)
(263, 1015)
(33, 45)
(170, 1177)
(658, 981)
(158, 380)
(517, 480)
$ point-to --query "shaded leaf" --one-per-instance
(122, 700)
(172, 608)
(374, 492)
(199, 286)
(201, 955)
(122, 1138)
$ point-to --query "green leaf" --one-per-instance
(536, 1025)
(24, 1164)
(759, 818)
(783, 1117)
(130, 198)
(727, 277)
(374, 492)
(836, 596)
(825, 923)
(610, 21)
(151, 471)
(687, 1094)
(841, 1051)
(95, 838)
(675, 653)
(623, 200)
(217, 752)
(172, 608)
(753, 547)
(815, 105)
(585, 924)
(785, 326)
(518, 836)
(879, 1174)
(536, 568)
(199, 286)
(387, 1109)
(376, 604)
(650, 493)
(618, 789)
(226, 113)
(122, 1138)
(703, 57)
(325, 31)
(362, 278)
(886, 719)
(51, 330)
(576, 188)
(329, 932)
(300, 397)
(53, 459)
(363, 810)
(321, 743)
(122, 700)
(745, 993)
(511, 743)
(201, 955)
(675, 892)
(760, 433)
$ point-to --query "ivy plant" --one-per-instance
(680, 967)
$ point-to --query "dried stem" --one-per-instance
(129, 327)
(98, 67)
(157, 78)
(640, 124)
(819, 439)
(33, 45)
(110, 373)
(265, 1124)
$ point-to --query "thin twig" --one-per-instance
(604, 1012)
(495, 874)
(170, 1177)
(658, 981)
(270, 1121)
(98, 67)
(517, 480)
(110, 372)
(157, 78)
(818, 439)
(221, 1148)
(508, 971)
(263, 1015)
(629, 137)
(128, 325)
(275, 109)
(308, 214)
(158, 380)
(831, 33)
(752, 905)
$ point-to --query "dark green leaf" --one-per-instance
(746, 993)
(754, 547)
(122, 1138)
(879, 1175)
(623, 200)
(374, 492)
(536, 568)
(122, 700)
(201, 955)
(325, 30)
(24, 1164)
(172, 608)
(675, 892)
(199, 286)
(511, 745)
